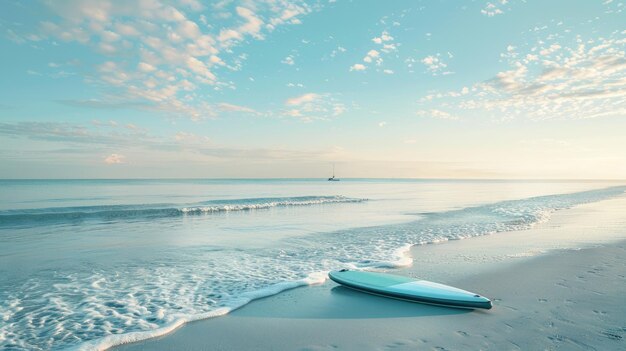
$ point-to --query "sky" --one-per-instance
(279, 89)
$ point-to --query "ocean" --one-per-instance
(89, 264)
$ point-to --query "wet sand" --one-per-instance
(560, 285)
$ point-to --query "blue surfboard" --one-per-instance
(409, 289)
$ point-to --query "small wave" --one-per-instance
(304, 201)
(10, 218)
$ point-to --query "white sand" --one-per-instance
(561, 285)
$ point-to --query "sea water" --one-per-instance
(88, 264)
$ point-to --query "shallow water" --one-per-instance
(88, 263)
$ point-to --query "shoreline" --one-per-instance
(327, 316)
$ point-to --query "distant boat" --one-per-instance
(333, 179)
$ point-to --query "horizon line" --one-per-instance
(324, 178)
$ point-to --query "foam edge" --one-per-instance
(110, 341)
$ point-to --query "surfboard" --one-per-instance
(405, 288)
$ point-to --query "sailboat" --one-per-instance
(333, 179)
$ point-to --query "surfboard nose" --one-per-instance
(483, 302)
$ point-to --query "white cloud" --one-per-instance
(113, 74)
(299, 100)
(430, 60)
(190, 138)
(107, 35)
(372, 54)
(66, 141)
(126, 29)
(357, 67)
(494, 8)
(338, 109)
(114, 159)
(253, 25)
(199, 67)
(549, 50)
(382, 38)
(289, 14)
(293, 113)
(179, 46)
(387, 48)
(531, 57)
(146, 67)
(584, 81)
(338, 50)
(388, 71)
(312, 106)
(434, 64)
(288, 60)
(382, 124)
(434, 113)
(228, 35)
(223, 106)
(216, 60)
(188, 29)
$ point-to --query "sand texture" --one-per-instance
(560, 285)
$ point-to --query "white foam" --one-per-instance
(404, 257)
(245, 298)
(265, 205)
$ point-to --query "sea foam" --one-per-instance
(245, 298)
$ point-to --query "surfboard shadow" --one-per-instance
(363, 305)
(340, 303)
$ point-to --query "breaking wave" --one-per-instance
(44, 216)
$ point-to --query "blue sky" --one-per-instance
(476, 89)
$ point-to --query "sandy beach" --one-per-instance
(186, 174)
(560, 285)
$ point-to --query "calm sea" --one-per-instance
(93, 263)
